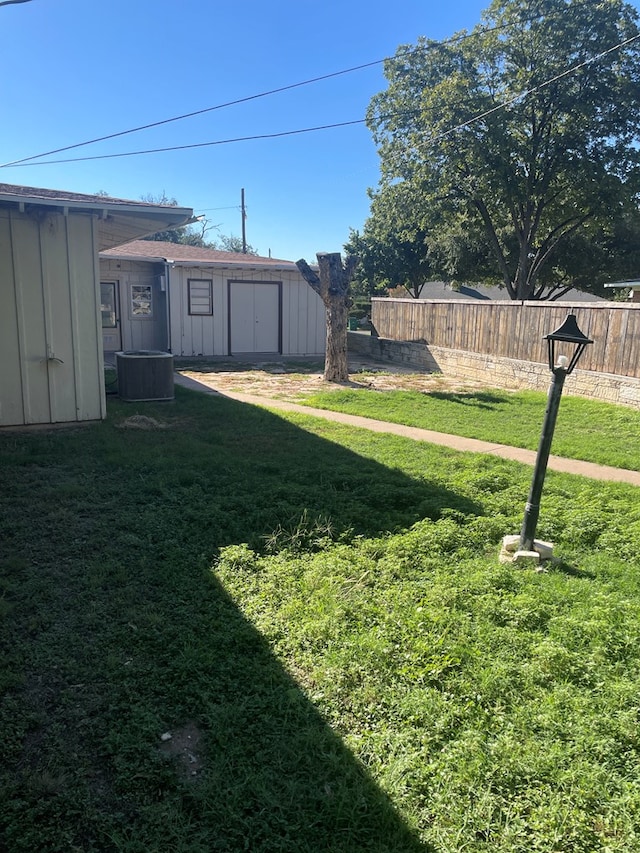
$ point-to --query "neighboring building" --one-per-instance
(632, 286)
(50, 329)
(471, 292)
(193, 301)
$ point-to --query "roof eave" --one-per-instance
(93, 207)
(230, 265)
(195, 264)
(117, 221)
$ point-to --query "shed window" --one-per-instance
(141, 301)
(200, 296)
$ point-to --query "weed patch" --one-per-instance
(356, 673)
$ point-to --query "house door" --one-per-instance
(109, 309)
(254, 317)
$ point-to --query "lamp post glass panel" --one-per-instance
(565, 347)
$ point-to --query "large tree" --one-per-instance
(403, 244)
(518, 137)
(394, 248)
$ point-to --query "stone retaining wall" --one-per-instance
(503, 372)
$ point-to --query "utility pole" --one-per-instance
(244, 229)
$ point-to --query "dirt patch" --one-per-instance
(184, 746)
(141, 422)
(293, 381)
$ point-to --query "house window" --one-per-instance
(108, 308)
(141, 301)
(200, 296)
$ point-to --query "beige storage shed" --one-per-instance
(201, 302)
(50, 309)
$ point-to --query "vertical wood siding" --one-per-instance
(50, 342)
(32, 335)
(303, 314)
(11, 385)
(304, 322)
(147, 333)
(515, 330)
(86, 320)
(194, 334)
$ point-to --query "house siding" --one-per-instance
(149, 333)
(302, 318)
(50, 345)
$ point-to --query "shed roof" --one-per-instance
(183, 255)
(118, 219)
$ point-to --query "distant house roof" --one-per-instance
(118, 220)
(471, 292)
(183, 255)
(634, 285)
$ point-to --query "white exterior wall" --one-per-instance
(50, 338)
(148, 333)
(303, 315)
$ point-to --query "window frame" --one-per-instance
(190, 296)
(113, 284)
(137, 316)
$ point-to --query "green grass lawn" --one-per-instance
(586, 429)
(317, 616)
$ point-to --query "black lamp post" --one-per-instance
(566, 345)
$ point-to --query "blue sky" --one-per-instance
(74, 70)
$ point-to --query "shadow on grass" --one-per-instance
(477, 399)
(232, 364)
(116, 631)
(572, 571)
(252, 472)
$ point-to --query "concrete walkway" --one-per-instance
(456, 442)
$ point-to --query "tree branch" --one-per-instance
(334, 278)
(552, 239)
(495, 245)
(309, 276)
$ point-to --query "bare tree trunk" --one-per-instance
(332, 286)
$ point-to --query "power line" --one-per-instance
(248, 98)
(192, 114)
(229, 207)
(193, 145)
(435, 138)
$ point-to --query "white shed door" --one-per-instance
(254, 324)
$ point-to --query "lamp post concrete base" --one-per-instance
(512, 553)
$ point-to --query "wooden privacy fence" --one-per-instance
(515, 329)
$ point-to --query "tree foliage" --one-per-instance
(186, 235)
(394, 248)
(404, 244)
(519, 139)
(196, 234)
(232, 243)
